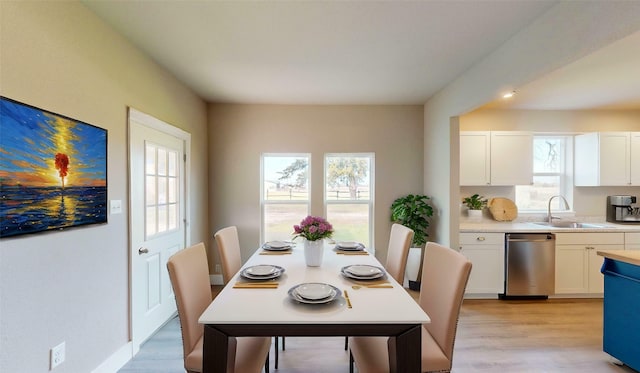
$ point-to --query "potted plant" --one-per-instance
(475, 203)
(414, 211)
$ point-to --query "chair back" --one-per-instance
(445, 273)
(189, 275)
(399, 244)
(229, 250)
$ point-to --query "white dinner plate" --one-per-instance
(349, 245)
(247, 273)
(374, 274)
(333, 292)
(364, 270)
(261, 270)
(276, 246)
(314, 291)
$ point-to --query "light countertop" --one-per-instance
(627, 256)
(530, 227)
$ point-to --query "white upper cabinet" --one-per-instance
(496, 158)
(474, 158)
(635, 158)
(607, 158)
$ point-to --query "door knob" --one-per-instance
(142, 250)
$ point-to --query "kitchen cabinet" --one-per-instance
(486, 253)
(607, 158)
(577, 263)
(632, 241)
(496, 158)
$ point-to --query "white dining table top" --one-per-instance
(274, 306)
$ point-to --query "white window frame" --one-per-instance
(370, 202)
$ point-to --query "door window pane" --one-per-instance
(161, 190)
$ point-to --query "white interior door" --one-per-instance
(157, 221)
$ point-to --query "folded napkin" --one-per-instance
(257, 285)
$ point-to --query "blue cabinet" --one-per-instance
(621, 335)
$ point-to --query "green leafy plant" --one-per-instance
(475, 202)
(413, 211)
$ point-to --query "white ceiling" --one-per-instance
(339, 52)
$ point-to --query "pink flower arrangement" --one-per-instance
(313, 228)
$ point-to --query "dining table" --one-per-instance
(357, 309)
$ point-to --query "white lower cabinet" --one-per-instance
(486, 253)
(577, 263)
(632, 241)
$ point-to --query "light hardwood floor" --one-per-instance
(493, 336)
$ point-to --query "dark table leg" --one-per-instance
(215, 348)
(405, 350)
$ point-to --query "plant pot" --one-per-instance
(313, 252)
(413, 272)
(474, 214)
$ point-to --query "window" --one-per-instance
(285, 195)
(349, 196)
(551, 167)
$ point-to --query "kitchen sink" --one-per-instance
(570, 224)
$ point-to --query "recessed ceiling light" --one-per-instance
(509, 94)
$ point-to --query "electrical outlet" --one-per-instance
(218, 268)
(57, 355)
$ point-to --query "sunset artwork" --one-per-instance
(53, 171)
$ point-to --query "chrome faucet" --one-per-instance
(566, 207)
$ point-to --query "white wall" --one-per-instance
(239, 134)
(73, 286)
(548, 43)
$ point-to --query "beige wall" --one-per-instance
(73, 286)
(588, 202)
(239, 134)
(548, 43)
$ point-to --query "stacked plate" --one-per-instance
(349, 246)
(262, 272)
(314, 293)
(277, 245)
(362, 272)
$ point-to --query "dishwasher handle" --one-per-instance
(546, 238)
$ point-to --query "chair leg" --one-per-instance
(282, 343)
(346, 343)
(266, 365)
(350, 362)
(276, 349)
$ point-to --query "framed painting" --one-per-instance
(53, 171)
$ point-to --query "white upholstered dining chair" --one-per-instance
(444, 278)
(231, 260)
(189, 275)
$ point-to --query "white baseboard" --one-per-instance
(116, 361)
(216, 280)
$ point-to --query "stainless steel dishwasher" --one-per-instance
(530, 264)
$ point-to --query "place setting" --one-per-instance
(260, 276)
(350, 248)
(366, 276)
(277, 248)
